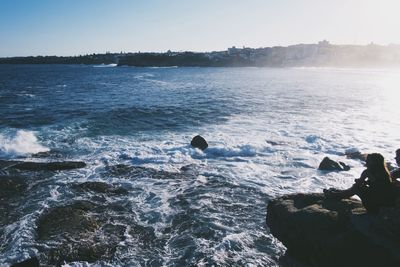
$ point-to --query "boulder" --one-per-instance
(328, 164)
(327, 232)
(41, 166)
(199, 142)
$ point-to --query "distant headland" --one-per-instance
(322, 54)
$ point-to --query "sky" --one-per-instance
(75, 27)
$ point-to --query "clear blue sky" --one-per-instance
(72, 27)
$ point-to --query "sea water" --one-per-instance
(267, 130)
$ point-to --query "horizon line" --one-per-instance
(192, 51)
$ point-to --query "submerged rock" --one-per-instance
(48, 154)
(41, 166)
(356, 155)
(31, 262)
(101, 245)
(326, 232)
(76, 232)
(100, 187)
(199, 142)
(138, 172)
(71, 220)
(11, 186)
(328, 164)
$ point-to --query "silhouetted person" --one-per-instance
(396, 173)
(374, 187)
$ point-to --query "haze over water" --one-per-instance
(267, 129)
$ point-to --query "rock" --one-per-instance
(328, 164)
(41, 166)
(70, 221)
(139, 172)
(199, 142)
(274, 143)
(355, 154)
(100, 187)
(11, 186)
(79, 232)
(98, 246)
(326, 232)
(31, 262)
(145, 235)
(48, 154)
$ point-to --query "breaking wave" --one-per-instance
(20, 143)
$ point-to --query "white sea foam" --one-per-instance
(105, 65)
(20, 143)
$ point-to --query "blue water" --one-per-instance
(267, 129)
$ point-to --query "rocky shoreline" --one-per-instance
(90, 226)
(325, 232)
(316, 231)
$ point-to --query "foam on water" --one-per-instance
(105, 65)
(19, 143)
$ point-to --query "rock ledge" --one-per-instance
(321, 232)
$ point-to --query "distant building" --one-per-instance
(323, 43)
(232, 50)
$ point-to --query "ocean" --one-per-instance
(267, 130)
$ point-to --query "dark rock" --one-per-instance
(328, 164)
(100, 187)
(188, 168)
(273, 143)
(71, 220)
(101, 244)
(326, 232)
(41, 166)
(79, 232)
(49, 166)
(11, 186)
(145, 235)
(31, 262)
(48, 154)
(137, 172)
(199, 142)
(356, 155)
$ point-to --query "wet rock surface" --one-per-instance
(72, 221)
(323, 232)
(94, 221)
(46, 166)
(199, 142)
(100, 187)
(356, 155)
(137, 172)
(12, 189)
(328, 164)
(48, 154)
(11, 186)
(32, 262)
(79, 233)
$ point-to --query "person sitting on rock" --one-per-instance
(396, 173)
(374, 187)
